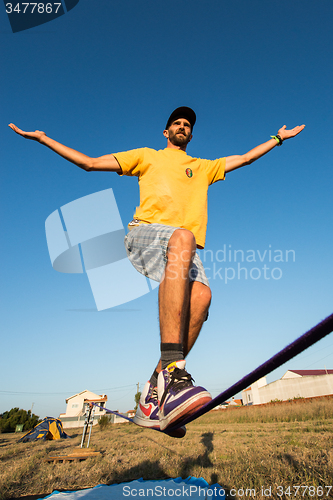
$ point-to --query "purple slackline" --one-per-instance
(303, 342)
(114, 412)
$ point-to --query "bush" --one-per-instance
(104, 422)
(10, 419)
(137, 399)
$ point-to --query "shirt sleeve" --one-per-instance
(130, 161)
(216, 170)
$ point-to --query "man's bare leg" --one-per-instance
(174, 291)
(200, 298)
(178, 398)
(183, 308)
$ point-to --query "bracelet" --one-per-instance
(278, 139)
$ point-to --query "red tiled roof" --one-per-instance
(234, 402)
(96, 400)
(307, 373)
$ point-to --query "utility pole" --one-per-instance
(138, 387)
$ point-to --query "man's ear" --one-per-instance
(166, 133)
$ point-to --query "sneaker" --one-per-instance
(147, 412)
(178, 397)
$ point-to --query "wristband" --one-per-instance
(278, 139)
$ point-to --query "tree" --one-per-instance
(104, 422)
(137, 399)
(10, 419)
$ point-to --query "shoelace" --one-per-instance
(179, 379)
(154, 394)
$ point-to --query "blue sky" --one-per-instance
(104, 78)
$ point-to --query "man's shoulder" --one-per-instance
(140, 151)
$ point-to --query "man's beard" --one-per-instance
(179, 139)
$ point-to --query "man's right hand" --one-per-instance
(106, 163)
(34, 136)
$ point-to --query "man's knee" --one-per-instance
(206, 300)
(202, 293)
(182, 239)
(206, 296)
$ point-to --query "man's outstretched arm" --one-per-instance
(104, 163)
(237, 161)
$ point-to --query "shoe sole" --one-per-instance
(177, 433)
(149, 424)
(187, 409)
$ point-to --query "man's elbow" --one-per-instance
(88, 165)
(247, 160)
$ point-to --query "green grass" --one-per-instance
(276, 445)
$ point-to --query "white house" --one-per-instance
(75, 410)
(293, 384)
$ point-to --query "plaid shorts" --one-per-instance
(146, 246)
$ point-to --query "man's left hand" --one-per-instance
(287, 134)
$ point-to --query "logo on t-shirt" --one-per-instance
(189, 172)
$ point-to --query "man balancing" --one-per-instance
(172, 216)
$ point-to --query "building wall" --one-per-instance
(290, 388)
(75, 422)
(251, 396)
(291, 374)
(118, 420)
(75, 405)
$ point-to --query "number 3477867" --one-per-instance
(32, 8)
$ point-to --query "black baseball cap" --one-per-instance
(182, 112)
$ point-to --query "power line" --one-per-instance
(61, 393)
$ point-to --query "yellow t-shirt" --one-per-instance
(173, 187)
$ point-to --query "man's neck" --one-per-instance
(172, 146)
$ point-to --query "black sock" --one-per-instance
(153, 379)
(170, 352)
